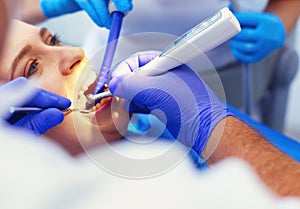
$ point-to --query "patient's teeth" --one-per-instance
(84, 88)
(117, 99)
(91, 78)
(115, 115)
(81, 92)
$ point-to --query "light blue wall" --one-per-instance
(71, 28)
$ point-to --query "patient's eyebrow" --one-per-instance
(18, 58)
(43, 31)
(23, 52)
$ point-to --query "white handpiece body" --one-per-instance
(200, 39)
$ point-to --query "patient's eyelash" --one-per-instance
(33, 68)
(54, 40)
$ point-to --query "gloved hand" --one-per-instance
(261, 34)
(40, 122)
(179, 98)
(96, 9)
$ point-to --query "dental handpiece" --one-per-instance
(115, 28)
(200, 39)
(94, 97)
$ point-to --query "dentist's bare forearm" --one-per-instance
(287, 10)
(277, 170)
(30, 11)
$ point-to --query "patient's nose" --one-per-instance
(71, 57)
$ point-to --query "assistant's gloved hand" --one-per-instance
(96, 9)
(40, 122)
(179, 98)
(261, 34)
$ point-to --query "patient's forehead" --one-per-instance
(19, 34)
(18, 26)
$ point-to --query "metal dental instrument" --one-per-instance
(13, 110)
(115, 28)
(94, 97)
(203, 37)
(19, 112)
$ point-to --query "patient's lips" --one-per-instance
(96, 107)
(85, 75)
(103, 104)
(87, 79)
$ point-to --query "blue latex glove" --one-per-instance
(261, 34)
(179, 98)
(96, 9)
(40, 122)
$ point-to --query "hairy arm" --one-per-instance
(287, 10)
(280, 172)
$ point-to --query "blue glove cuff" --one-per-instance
(54, 8)
(216, 116)
(123, 6)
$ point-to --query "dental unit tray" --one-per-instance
(205, 36)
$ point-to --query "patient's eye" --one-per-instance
(33, 68)
(54, 40)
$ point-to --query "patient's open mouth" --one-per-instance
(88, 80)
(98, 106)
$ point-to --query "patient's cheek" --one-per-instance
(65, 135)
(115, 118)
(119, 115)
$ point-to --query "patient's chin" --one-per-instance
(65, 135)
(77, 134)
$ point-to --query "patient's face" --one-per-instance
(35, 53)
